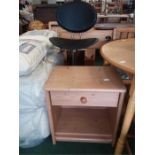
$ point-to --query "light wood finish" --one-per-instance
(50, 115)
(36, 25)
(85, 98)
(84, 125)
(92, 33)
(117, 52)
(124, 33)
(90, 55)
(121, 54)
(89, 102)
(126, 125)
(84, 78)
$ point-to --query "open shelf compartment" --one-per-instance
(84, 124)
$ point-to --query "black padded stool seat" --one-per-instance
(73, 44)
(76, 17)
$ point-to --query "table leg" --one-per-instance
(130, 111)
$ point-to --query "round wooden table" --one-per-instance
(121, 54)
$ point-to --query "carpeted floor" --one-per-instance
(71, 148)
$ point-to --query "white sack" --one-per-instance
(33, 47)
(33, 120)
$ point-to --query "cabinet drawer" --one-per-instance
(78, 98)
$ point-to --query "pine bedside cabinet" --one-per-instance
(84, 103)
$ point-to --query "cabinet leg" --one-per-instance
(50, 116)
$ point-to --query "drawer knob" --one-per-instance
(83, 100)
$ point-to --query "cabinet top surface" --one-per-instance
(84, 78)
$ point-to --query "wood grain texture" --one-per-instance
(124, 33)
(92, 99)
(81, 99)
(84, 78)
(84, 125)
(121, 54)
(50, 116)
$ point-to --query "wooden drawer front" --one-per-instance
(106, 99)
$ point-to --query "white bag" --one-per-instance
(40, 35)
(33, 47)
(33, 118)
(30, 55)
